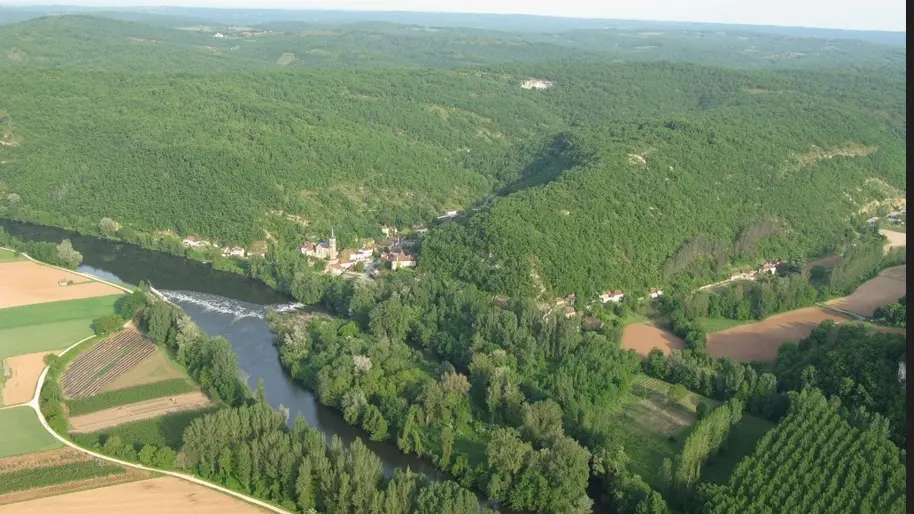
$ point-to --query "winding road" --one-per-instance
(33, 403)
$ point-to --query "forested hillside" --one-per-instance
(143, 42)
(704, 169)
(621, 175)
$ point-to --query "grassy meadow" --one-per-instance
(22, 433)
(50, 326)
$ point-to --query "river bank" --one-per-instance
(222, 304)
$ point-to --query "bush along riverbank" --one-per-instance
(237, 444)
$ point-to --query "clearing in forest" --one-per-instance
(22, 433)
(642, 338)
(138, 411)
(651, 425)
(285, 59)
(20, 385)
(166, 494)
(28, 283)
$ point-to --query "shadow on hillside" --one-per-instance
(556, 156)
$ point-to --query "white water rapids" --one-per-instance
(235, 308)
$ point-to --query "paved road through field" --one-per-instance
(33, 403)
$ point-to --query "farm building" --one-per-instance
(612, 296)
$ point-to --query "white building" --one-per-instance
(363, 254)
(612, 296)
(235, 251)
(192, 242)
(218, 35)
(449, 214)
(656, 293)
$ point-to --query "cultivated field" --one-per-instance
(21, 433)
(25, 369)
(46, 459)
(153, 496)
(642, 338)
(49, 473)
(154, 368)
(93, 370)
(760, 341)
(886, 288)
(49, 326)
(28, 283)
(138, 411)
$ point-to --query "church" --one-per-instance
(323, 250)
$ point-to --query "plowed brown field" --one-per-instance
(886, 288)
(137, 411)
(760, 341)
(154, 496)
(642, 338)
(25, 369)
(27, 283)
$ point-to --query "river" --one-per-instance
(227, 305)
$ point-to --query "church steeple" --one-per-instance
(332, 243)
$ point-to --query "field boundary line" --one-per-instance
(33, 403)
(80, 273)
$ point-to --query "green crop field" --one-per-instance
(49, 326)
(22, 433)
(41, 477)
(6, 256)
(129, 395)
(165, 430)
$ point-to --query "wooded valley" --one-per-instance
(641, 160)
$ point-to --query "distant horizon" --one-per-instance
(875, 16)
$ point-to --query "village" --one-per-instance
(396, 252)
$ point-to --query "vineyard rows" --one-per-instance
(815, 462)
(96, 368)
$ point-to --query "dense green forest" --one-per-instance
(138, 41)
(631, 171)
(623, 175)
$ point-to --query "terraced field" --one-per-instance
(91, 371)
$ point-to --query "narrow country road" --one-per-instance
(33, 403)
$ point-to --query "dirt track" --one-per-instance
(28, 283)
(26, 369)
(642, 338)
(153, 496)
(896, 239)
(137, 411)
(886, 288)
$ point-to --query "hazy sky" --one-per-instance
(843, 14)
